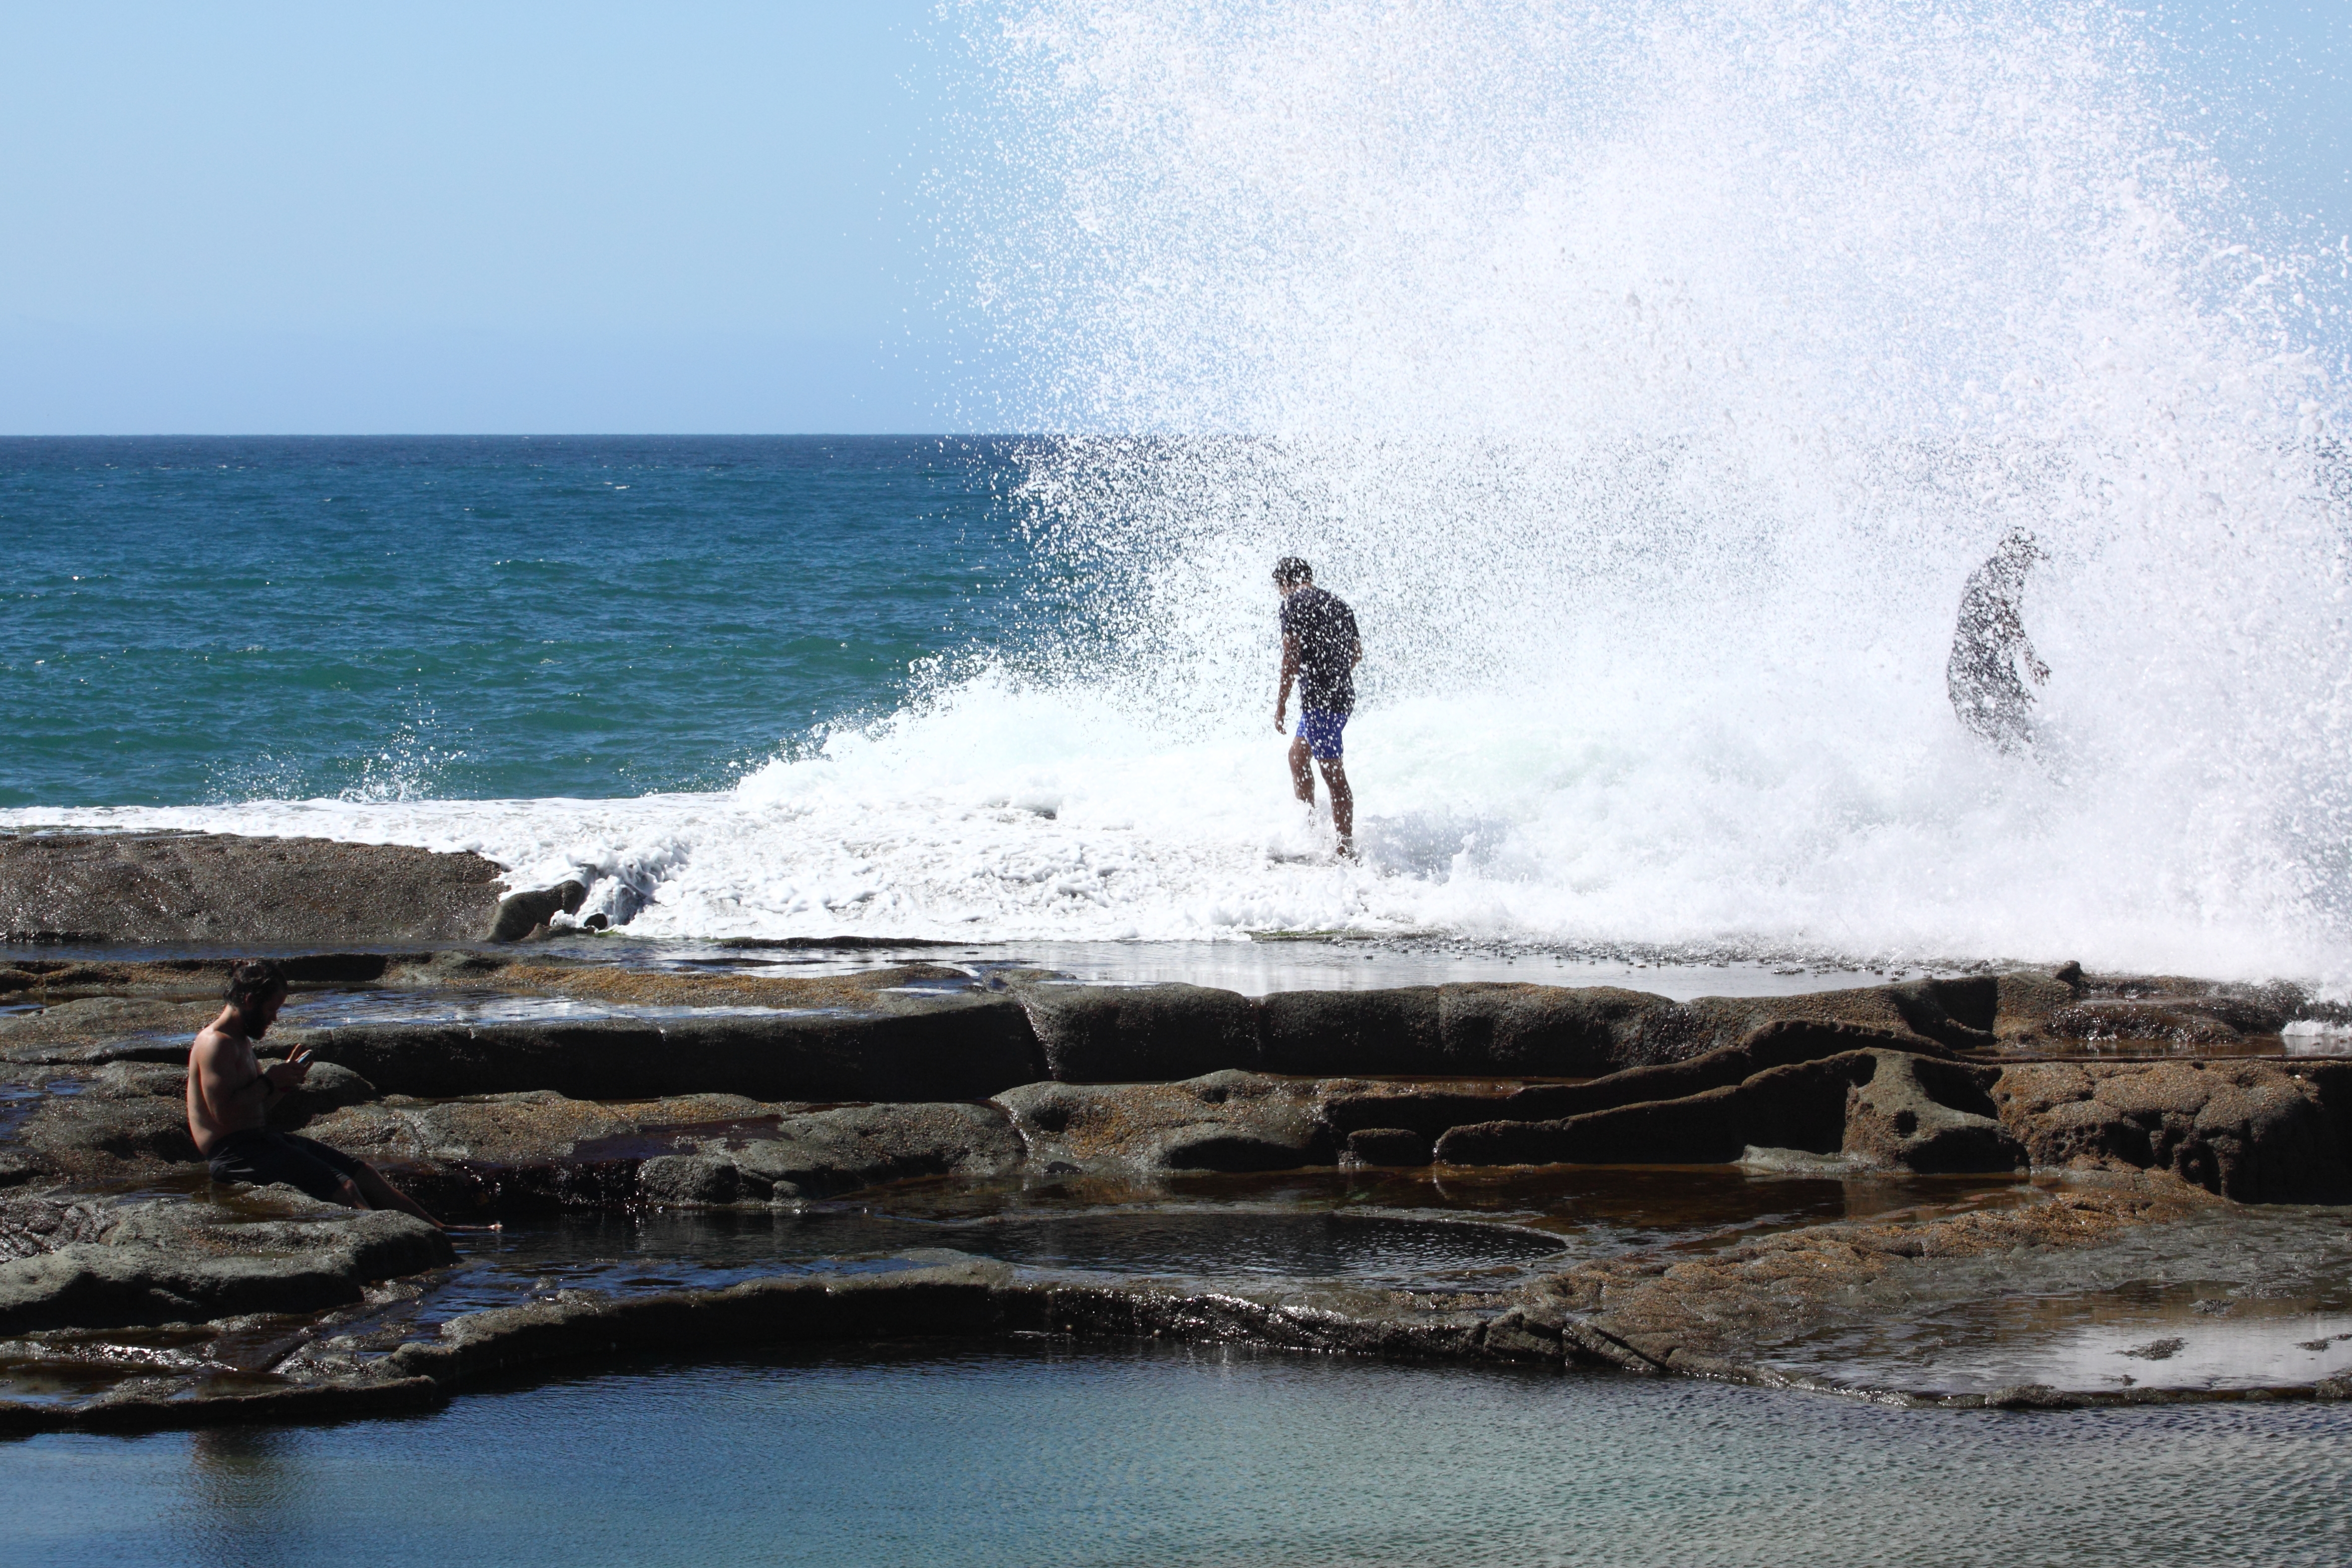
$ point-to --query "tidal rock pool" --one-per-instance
(1409, 1231)
(1199, 1455)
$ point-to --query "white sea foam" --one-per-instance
(1650, 382)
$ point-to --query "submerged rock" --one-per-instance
(1709, 1315)
(1720, 1315)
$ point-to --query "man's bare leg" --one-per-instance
(1302, 773)
(1343, 803)
(382, 1194)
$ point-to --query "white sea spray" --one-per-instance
(1649, 381)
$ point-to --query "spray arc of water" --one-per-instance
(1651, 379)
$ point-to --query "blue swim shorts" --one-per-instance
(1321, 730)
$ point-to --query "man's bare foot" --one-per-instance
(1347, 849)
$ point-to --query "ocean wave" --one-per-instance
(1650, 382)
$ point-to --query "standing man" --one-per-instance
(1320, 649)
(230, 1094)
(1988, 645)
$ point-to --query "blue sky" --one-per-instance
(522, 216)
(487, 216)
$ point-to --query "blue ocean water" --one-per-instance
(202, 620)
(1020, 690)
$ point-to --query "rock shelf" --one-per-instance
(2121, 1103)
(156, 889)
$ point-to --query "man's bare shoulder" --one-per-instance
(213, 1043)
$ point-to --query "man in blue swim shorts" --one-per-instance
(1320, 650)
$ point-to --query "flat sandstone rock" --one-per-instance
(218, 888)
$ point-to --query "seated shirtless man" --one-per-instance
(230, 1094)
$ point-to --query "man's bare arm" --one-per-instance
(228, 1091)
(1289, 674)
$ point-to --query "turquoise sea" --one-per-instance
(1649, 381)
(187, 621)
(1020, 689)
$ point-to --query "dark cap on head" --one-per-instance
(1290, 572)
(253, 981)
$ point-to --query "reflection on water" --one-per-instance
(1192, 1455)
(1401, 1229)
(2307, 1037)
(2225, 1298)
(345, 1009)
(242, 1482)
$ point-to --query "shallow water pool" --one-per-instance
(1190, 1455)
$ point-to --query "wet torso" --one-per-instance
(1325, 629)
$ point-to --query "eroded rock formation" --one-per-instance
(796, 1089)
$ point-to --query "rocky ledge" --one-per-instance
(223, 890)
(732, 1089)
(729, 1091)
(1693, 1317)
(162, 889)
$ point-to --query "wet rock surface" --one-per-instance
(1873, 1107)
(526, 914)
(508, 1085)
(167, 1261)
(1220, 1122)
(2260, 1133)
(1728, 1305)
(217, 888)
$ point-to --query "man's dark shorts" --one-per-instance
(262, 1156)
(1321, 732)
